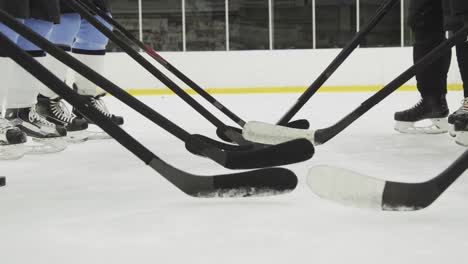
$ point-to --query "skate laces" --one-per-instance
(35, 116)
(464, 107)
(417, 105)
(99, 104)
(60, 110)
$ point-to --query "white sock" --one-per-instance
(59, 69)
(19, 88)
(95, 62)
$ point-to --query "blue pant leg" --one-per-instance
(41, 27)
(89, 38)
(64, 34)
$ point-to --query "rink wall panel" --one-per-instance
(279, 70)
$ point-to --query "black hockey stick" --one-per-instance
(354, 189)
(338, 61)
(303, 124)
(232, 134)
(229, 156)
(266, 133)
(270, 181)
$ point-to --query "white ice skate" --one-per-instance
(461, 132)
(46, 137)
(459, 115)
(12, 141)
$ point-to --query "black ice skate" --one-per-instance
(461, 132)
(49, 135)
(430, 108)
(12, 140)
(98, 104)
(460, 115)
(55, 111)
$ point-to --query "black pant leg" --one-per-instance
(48, 10)
(16, 8)
(427, 21)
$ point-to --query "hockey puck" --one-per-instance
(2, 181)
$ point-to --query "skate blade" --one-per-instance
(12, 152)
(47, 146)
(462, 138)
(452, 131)
(77, 137)
(97, 135)
(438, 126)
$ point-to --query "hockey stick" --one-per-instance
(271, 134)
(222, 128)
(338, 61)
(229, 156)
(354, 189)
(303, 124)
(262, 182)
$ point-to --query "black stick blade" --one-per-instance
(409, 196)
(2, 181)
(221, 133)
(291, 152)
(264, 182)
(299, 124)
(195, 149)
(287, 153)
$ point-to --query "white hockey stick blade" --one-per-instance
(346, 187)
(265, 133)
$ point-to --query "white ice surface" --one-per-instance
(97, 203)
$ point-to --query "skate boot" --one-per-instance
(431, 108)
(12, 140)
(98, 104)
(49, 136)
(461, 132)
(459, 115)
(55, 111)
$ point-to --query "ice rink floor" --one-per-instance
(97, 203)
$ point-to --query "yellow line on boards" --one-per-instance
(290, 89)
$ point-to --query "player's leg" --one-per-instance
(460, 117)
(22, 97)
(50, 104)
(462, 58)
(90, 48)
(10, 135)
(426, 21)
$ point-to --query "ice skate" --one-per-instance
(12, 141)
(461, 132)
(55, 111)
(432, 109)
(459, 115)
(48, 136)
(98, 104)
